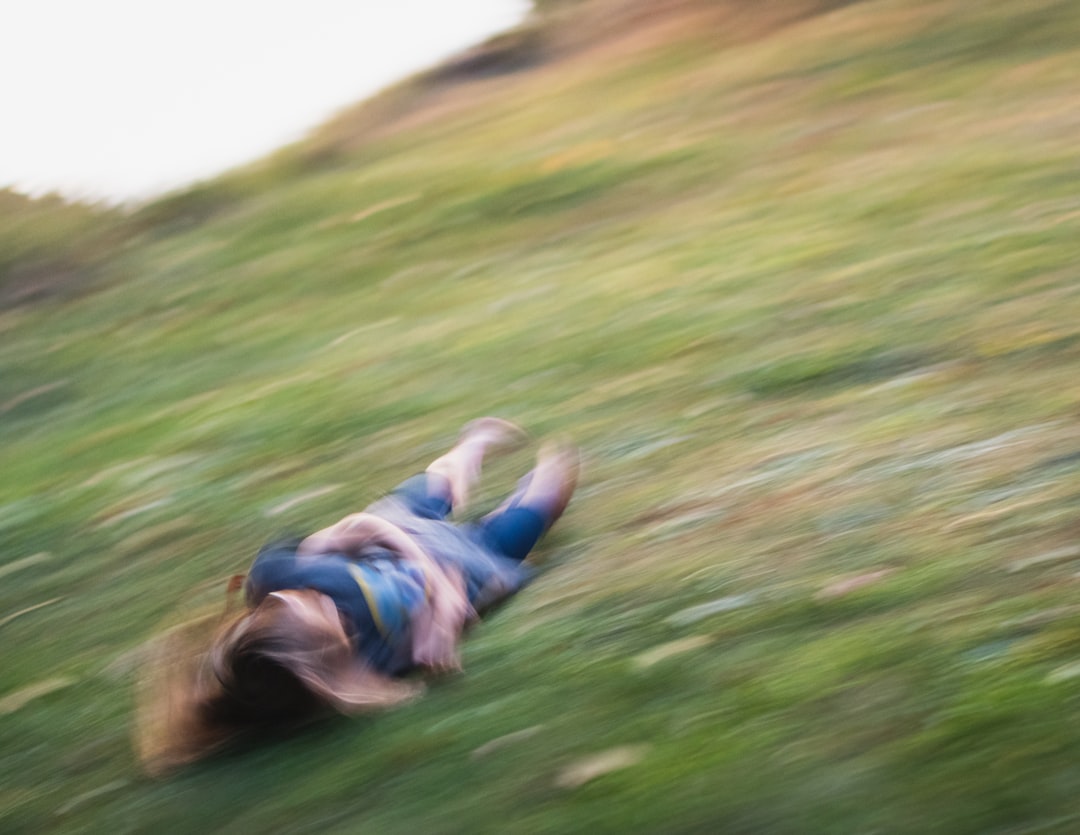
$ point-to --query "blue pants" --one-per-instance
(511, 531)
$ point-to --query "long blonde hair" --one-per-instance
(285, 660)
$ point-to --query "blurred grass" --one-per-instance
(802, 282)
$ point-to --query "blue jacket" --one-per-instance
(377, 592)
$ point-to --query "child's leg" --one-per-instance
(426, 495)
(445, 485)
(459, 469)
(514, 527)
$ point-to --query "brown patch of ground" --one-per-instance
(34, 282)
(592, 31)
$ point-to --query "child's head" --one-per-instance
(285, 660)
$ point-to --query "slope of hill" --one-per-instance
(800, 278)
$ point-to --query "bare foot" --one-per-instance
(558, 468)
(461, 465)
(493, 432)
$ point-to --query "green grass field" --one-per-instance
(802, 281)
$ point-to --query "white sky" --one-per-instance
(120, 99)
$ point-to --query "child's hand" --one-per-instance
(437, 629)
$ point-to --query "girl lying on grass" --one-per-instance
(334, 620)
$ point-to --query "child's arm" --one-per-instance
(438, 627)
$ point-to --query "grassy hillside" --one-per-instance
(800, 278)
